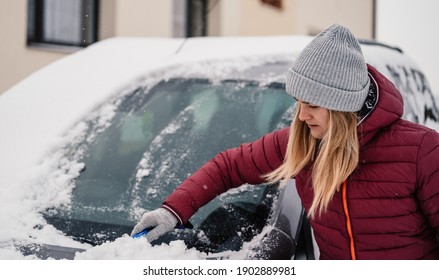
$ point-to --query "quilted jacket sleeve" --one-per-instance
(231, 168)
(428, 178)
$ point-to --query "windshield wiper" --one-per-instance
(92, 233)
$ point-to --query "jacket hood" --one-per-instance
(389, 107)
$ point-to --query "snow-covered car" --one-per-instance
(92, 141)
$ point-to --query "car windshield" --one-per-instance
(158, 137)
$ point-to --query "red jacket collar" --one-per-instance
(389, 107)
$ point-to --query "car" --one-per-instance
(96, 139)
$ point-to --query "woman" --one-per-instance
(368, 180)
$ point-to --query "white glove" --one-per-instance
(161, 220)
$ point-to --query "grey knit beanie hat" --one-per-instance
(331, 72)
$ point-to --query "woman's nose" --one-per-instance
(304, 114)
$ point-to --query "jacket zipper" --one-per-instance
(348, 222)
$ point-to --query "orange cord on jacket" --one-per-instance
(348, 222)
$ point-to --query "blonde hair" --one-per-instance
(334, 157)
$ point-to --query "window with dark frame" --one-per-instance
(62, 23)
(191, 17)
(196, 24)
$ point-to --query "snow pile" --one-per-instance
(127, 248)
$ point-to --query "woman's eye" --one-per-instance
(313, 106)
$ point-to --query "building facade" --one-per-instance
(35, 33)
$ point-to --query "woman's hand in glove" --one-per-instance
(160, 220)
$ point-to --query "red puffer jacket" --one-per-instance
(387, 209)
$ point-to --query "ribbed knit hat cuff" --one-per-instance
(307, 90)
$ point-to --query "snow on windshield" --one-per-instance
(126, 247)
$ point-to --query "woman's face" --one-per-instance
(317, 118)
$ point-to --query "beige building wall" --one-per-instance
(316, 15)
(250, 18)
(135, 18)
(16, 60)
(305, 17)
(144, 18)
